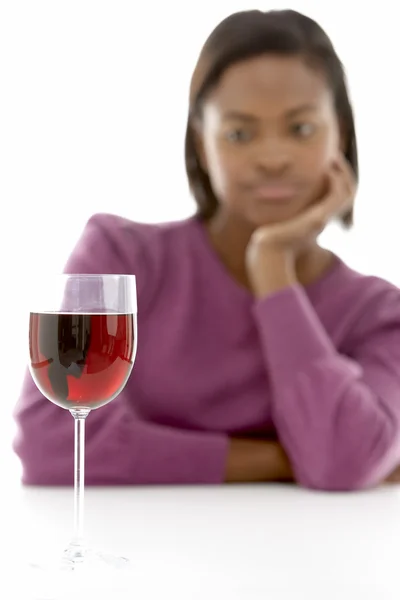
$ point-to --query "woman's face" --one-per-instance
(267, 138)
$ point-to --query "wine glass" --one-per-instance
(82, 345)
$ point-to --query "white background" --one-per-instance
(93, 101)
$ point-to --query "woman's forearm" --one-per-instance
(256, 461)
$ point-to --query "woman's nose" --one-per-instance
(273, 156)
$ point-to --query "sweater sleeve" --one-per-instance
(338, 416)
(121, 448)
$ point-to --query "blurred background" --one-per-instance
(93, 107)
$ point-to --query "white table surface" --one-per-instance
(236, 543)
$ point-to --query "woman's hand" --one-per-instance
(273, 249)
(394, 477)
(252, 461)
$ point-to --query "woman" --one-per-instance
(262, 356)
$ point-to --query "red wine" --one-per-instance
(81, 360)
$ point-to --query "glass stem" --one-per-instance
(79, 415)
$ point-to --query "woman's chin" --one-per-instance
(272, 213)
(269, 217)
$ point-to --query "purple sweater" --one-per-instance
(318, 366)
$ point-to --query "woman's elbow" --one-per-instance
(42, 463)
(340, 480)
(356, 469)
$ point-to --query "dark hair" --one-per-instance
(246, 35)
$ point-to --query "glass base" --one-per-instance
(79, 575)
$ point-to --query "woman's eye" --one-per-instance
(303, 130)
(237, 135)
